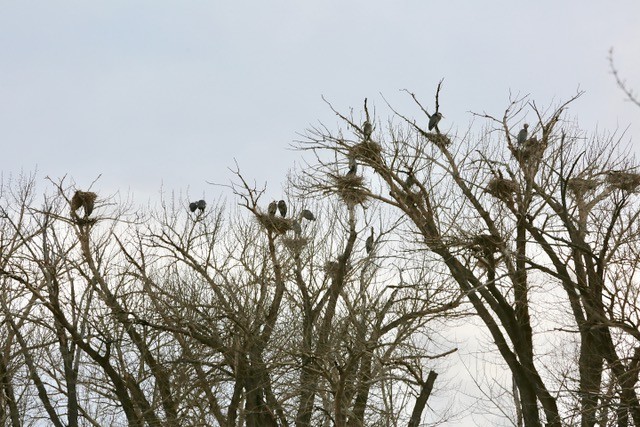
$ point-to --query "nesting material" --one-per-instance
(438, 139)
(295, 244)
(350, 188)
(84, 199)
(531, 150)
(582, 185)
(367, 150)
(274, 223)
(486, 243)
(627, 181)
(502, 188)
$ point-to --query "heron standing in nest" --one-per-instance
(273, 208)
(84, 199)
(522, 135)
(367, 130)
(282, 207)
(434, 120)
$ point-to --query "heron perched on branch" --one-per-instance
(367, 130)
(282, 207)
(522, 135)
(368, 245)
(434, 120)
(307, 214)
(84, 199)
(273, 208)
(353, 166)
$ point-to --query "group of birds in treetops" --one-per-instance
(86, 199)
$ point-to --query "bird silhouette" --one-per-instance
(201, 204)
(193, 206)
(434, 120)
(273, 208)
(282, 207)
(353, 166)
(367, 130)
(522, 135)
(368, 245)
(308, 215)
(84, 199)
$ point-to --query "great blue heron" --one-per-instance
(367, 130)
(307, 214)
(434, 120)
(273, 208)
(411, 179)
(353, 166)
(368, 245)
(295, 225)
(282, 207)
(84, 199)
(193, 206)
(201, 204)
(522, 135)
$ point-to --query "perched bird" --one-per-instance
(522, 135)
(368, 245)
(308, 215)
(282, 207)
(84, 199)
(353, 166)
(193, 206)
(411, 179)
(201, 204)
(367, 130)
(295, 226)
(434, 120)
(273, 207)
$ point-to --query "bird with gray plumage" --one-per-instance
(307, 214)
(368, 245)
(295, 226)
(282, 207)
(410, 181)
(193, 206)
(273, 208)
(367, 130)
(353, 166)
(522, 135)
(434, 120)
(201, 204)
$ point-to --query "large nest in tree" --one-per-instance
(486, 243)
(627, 181)
(531, 150)
(367, 150)
(582, 185)
(438, 139)
(502, 188)
(295, 244)
(350, 188)
(275, 223)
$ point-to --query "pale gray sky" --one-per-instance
(153, 93)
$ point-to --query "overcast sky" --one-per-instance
(158, 93)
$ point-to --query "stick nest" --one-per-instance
(274, 223)
(502, 188)
(438, 139)
(582, 185)
(627, 181)
(350, 188)
(367, 150)
(531, 150)
(486, 243)
(295, 244)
